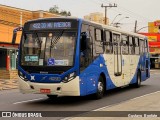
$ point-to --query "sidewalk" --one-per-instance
(6, 84)
(146, 104)
(155, 71)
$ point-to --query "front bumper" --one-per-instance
(72, 88)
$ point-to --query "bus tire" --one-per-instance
(100, 89)
(52, 96)
(138, 81)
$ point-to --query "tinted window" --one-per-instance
(108, 44)
(98, 42)
(116, 42)
(124, 44)
(142, 46)
(136, 46)
(131, 47)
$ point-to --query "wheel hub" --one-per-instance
(100, 86)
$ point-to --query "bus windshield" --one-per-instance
(48, 48)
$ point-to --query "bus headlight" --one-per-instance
(70, 77)
(22, 76)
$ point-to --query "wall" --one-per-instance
(154, 42)
(154, 27)
(96, 17)
(11, 18)
(6, 33)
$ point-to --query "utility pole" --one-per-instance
(135, 28)
(21, 19)
(110, 6)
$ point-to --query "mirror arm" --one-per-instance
(15, 34)
(18, 29)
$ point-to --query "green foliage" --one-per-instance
(55, 10)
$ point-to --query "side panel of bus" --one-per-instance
(116, 56)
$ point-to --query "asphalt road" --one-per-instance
(13, 100)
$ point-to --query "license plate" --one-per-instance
(45, 90)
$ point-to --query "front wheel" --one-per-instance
(52, 96)
(100, 89)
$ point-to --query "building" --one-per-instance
(11, 18)
(97, 17)
(154, 43)
(154, 27)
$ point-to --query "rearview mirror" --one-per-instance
(83, 35)
(85, 40)
(15, 34)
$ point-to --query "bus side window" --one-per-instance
(142, 50)
(98, 41)
(124, 44)
(108, 43)
(141, 46)
(92, 43)
(116, 42)
(146, 45)
(136, 46)
(131, 48)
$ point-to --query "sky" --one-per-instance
(143, 11)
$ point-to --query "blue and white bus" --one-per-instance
(75, 57)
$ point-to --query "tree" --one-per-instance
(55, 9)
(65, 13)
(69, 13)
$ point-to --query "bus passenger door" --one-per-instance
(147, 58)
(117, 55)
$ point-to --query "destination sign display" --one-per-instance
(50, 25)
(30, 58)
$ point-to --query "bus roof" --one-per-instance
(107, 27)
(111, 28)
(51, 18)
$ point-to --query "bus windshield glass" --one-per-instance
(48, 48)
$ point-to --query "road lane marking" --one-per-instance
(27, 101)
(125, 101)
(155, 74)
(72, 117)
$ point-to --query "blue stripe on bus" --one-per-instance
(143, 73)
(89, 77)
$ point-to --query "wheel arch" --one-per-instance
(139, 73)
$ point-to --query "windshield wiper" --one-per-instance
(54, 41)
(38, 40)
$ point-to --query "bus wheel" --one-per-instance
(52, 96)
(100, 90)
(138, 81)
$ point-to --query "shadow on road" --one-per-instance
(78, 100)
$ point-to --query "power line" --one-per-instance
(134, 14)
(129, 12)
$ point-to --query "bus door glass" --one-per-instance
(142, 54)
(117, 55)
(147, 58)
(125, 57)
